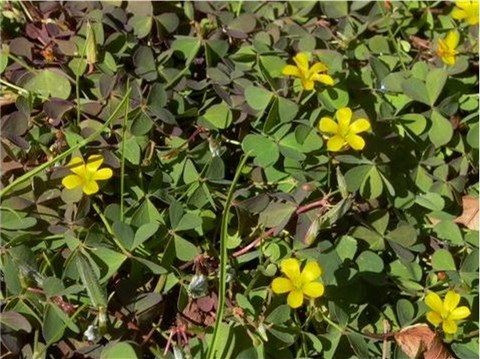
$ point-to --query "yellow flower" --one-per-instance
(298, 284)
(308, 75)
(466, 10)
(446, 47)
(446, 312)
(344, 132)
(86, 174)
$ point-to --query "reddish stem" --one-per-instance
(302, 209)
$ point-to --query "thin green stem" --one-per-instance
(122, 163)
(109, 230)
(395, 42)
(19, 89)
(77, 79)
(224, 259)
(194, 53)
(23, 64)
(65, 154)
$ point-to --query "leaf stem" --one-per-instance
(224, 259)
(122, 164)
(109, 230)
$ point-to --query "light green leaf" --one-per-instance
(49, 83)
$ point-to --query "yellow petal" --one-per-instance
(324, 79)
(290, 70)
(318, 67)
(459, 313)
(433, 301)
(94, 162)
(77, 166)
(328, 125)
(291, 268)
(344, 116)
(335, 143)
(72, 181)
(452, 39)
(434, 318)
(103, 174)
(449, 59)
(301, 59)
(311, 272)
(313, 289)
(451, 301)
(458, 14)
(356, 142)
(449, 327)
(473, 20)
(360, 125)
(462, 4)
(308, 84)
(295, 298)
(281, 285)
(90, 187)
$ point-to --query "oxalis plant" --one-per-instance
(239, 179)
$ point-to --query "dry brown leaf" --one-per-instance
(469, 216)
(419, 339)
(414, 339)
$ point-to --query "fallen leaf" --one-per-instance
(469, 216)
(414, 339)
(419, 339)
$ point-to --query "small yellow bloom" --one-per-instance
(308, 75)
(446, 312)
(446, 47)
(466, 10)
(298, 284)
(86, 174)
(344, 133)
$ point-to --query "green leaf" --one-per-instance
(435, 82)
(109, 259)
(16, 220)
(279, 315)
(119, 350)
(189, 221)
(184, 250)
(441, 131)
(375, 240)
(473, 135)
(53, 326)
(334, 9)
(404, 235)
(431, 200)
(3, 61)
(15, 321)
(132, 150)
(276, 213)
(144, 62)
(273, 65)
(264, 151)
(449, 231)
(49, 83)
(405, 312)
(416, 90)
(442, 260)
(145, 232)
(142, 25)
(258, 98)
(287, 109)
(369, 262)
(414, 122)
(219, 115)
(96, 293)
(124, 233)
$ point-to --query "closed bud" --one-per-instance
(90, 45)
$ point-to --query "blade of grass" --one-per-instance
(224, 259)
